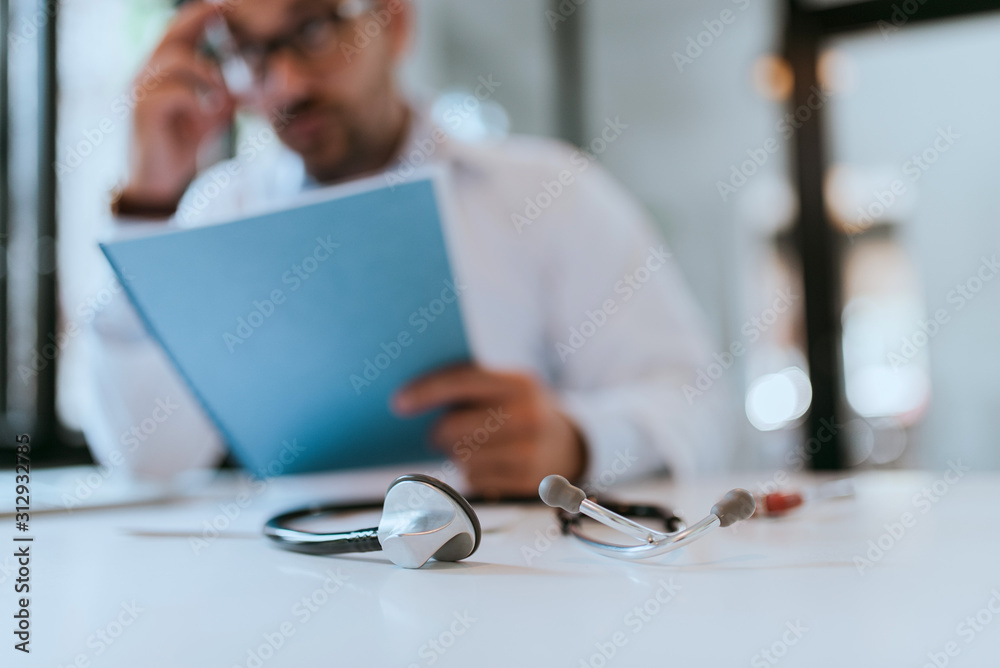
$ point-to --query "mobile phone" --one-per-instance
(219, 45)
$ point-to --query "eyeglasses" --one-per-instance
(314, 39)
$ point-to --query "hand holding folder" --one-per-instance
(294, 328)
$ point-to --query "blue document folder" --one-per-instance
(294, 328)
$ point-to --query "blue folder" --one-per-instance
(294, 328)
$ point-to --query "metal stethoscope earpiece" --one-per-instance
(422, 519)
(556, 491)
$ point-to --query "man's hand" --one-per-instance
(188, 104)
(504, 430)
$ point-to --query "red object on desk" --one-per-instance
(777, 503)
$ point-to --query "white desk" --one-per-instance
(720, 602)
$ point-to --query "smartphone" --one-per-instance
(219, 45)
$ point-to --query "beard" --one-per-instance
(337, 143)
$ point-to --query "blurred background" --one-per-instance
(824, 173)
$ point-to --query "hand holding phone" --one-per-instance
(190, 106)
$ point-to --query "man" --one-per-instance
(582, 332)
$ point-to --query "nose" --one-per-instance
(285, 79)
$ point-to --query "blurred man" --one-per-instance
(582, 331)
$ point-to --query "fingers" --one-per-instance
(177, 61)
(512, 462)
(456, 385)
(189, 88)
(495, 455)
(501, 476)
(189, 25)
(502, 429)
(186, 91)
(185, 103)
(180, 114)
(477, 425)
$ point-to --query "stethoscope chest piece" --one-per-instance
(422, 519)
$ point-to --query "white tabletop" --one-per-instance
(107, 593)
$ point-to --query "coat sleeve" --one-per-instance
(142, 417)
(626, 341)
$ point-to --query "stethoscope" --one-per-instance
(424, 519)
(556, 491)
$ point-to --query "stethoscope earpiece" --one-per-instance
(556, 491)
(422, 519)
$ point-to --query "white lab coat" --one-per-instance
(566, 280)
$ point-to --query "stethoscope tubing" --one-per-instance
(658, 546)
(279, 529)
